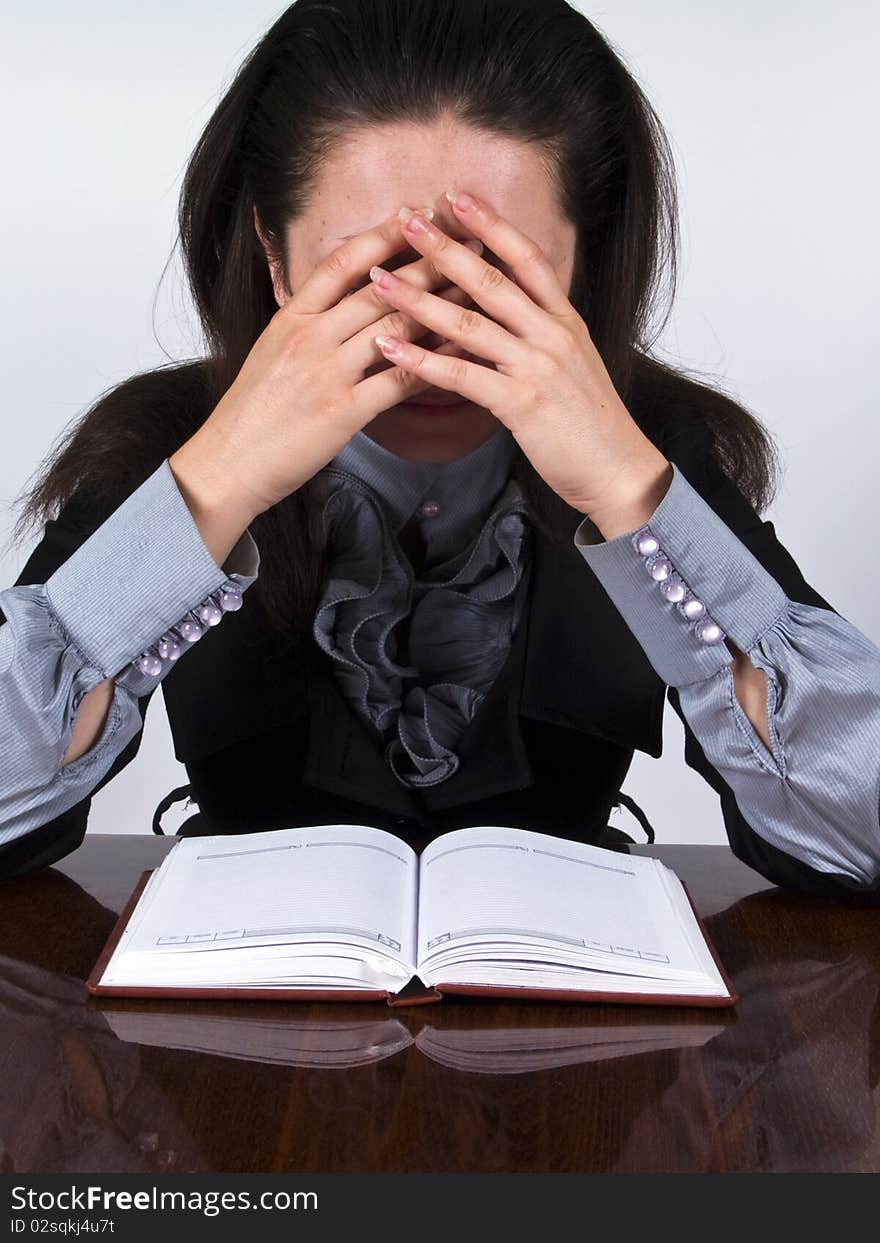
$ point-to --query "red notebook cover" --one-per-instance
(415, 993)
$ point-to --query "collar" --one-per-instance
(462, 489)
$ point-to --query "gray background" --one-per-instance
(770, 112)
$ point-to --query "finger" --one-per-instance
(334, 276)
(387, 388)
(477, 334)
(483, 385)
(502, 298)
(366, 306)
(532, 270)
(419, 269)
(361, 351)
(490, 289)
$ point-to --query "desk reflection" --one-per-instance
(783, 1082)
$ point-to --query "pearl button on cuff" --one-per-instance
(150, 665)
(674, 589)
(190, 628)
(211, 614)
(230, 599)
(659, 567)
(693, 608)
(708, 631)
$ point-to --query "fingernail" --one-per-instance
(463, 202)
(475, 245)
(415, 223)
(383, 278)
(405, 213)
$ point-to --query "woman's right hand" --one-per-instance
(298, 398)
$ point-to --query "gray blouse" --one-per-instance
(415, 654)
(120, 604)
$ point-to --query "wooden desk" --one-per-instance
(787, 1081)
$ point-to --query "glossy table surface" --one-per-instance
(785, 1081)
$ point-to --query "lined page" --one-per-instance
(511, 888)
(349, 884)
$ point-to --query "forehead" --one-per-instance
(375, 169)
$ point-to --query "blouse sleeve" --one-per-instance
(123, 600)
(703, 569)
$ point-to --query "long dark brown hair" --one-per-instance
(536, 70)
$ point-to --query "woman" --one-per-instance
(461, 531)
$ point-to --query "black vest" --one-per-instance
(269, 741)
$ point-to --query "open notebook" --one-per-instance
(351, 912)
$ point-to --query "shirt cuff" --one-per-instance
(683, 582)
(139, 573)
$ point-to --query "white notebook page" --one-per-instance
(349, 884)
(517, 888)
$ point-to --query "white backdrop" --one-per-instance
(770, 110)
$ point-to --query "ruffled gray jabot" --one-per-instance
(415, 656)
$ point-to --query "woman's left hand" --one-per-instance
(549, 385)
